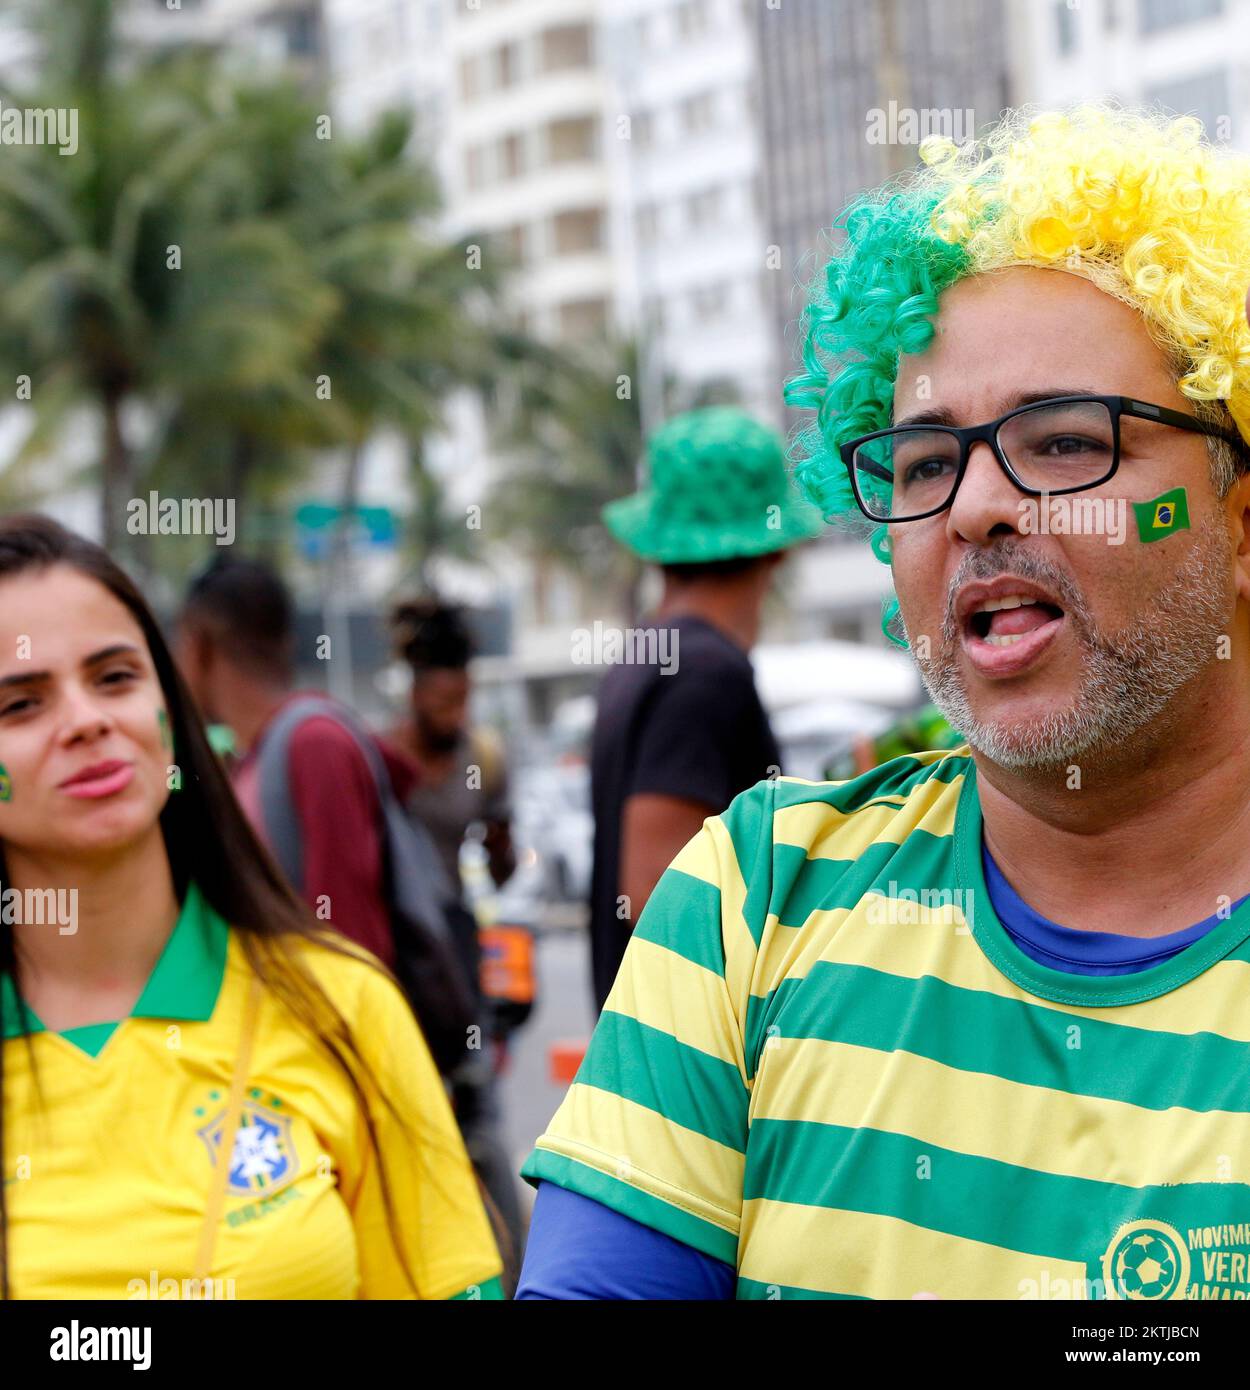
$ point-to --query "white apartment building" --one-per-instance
(380, 54)
(285, 33)
(612, 147)
(532, 158)
(1189, 56)
(686, 78)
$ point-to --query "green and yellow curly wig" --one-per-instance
(1138, 202)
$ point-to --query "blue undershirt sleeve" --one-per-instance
(580, 1249)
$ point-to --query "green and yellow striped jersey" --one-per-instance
(825, 1062)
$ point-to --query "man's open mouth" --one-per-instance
(1005, 621)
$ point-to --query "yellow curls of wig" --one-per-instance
(1139, 203)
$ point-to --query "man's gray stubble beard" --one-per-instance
(1129, 676)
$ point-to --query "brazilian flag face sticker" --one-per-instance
(1163, 516)
(6, 784)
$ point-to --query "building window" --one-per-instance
(300, 33)
(698, 113)
(584, 318)
(691, 18)
(578, 231)
(381, 42)
(648, 223)
(474, 172)
(1153, 15)
(1065, 28)
(469, 86)
(1204, 95)
(566, 46)
(511, 157)
(512, 239)
(719, 390)
(709, 302)
(706, 207)
(571, 140)
(506, 66)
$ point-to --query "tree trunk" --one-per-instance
(541, 581)
(238, 475)
(116, 485)
(337, 605)
(350, 493)
(341, 533)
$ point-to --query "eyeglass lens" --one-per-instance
(1050, 448)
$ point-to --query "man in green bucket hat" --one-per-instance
(718, 490)
(676, 739)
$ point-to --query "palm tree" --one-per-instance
(128, 282)
(437, 529)
(220, 289)
(398, 335)
(570, 434)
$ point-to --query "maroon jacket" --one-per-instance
(336, 804)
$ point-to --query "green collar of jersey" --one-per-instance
(184, 984)
(1059, 985)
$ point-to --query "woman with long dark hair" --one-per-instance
(207, 1092)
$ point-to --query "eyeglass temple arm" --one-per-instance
(1143, 410)
(866, 466)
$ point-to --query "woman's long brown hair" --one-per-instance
(209, 842)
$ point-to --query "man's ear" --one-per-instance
(1238, 504)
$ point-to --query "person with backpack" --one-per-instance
(324, 794)
(206, 1091)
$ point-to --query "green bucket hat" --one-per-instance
(718, 490)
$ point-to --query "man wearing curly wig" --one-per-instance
(976, 1024)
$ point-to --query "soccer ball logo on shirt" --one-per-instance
(1146, 1260)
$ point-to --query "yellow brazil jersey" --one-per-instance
(112, 1135)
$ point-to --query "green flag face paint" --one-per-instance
(167, 738)
(6, 784)
(1162, 516)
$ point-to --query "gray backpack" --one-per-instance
(415, 886)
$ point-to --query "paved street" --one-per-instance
(564, 1010)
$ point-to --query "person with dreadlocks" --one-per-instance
(463, 781)
(432, 638)
(975, 1023)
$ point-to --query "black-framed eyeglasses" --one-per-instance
(1064, 444)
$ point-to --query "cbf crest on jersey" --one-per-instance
(263, 1156)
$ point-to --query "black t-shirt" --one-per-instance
(699, 733)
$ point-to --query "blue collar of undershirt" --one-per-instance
(1085, 952)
